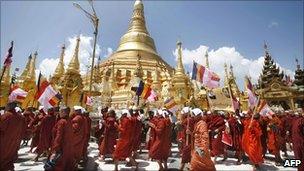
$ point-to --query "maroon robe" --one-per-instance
(124, 144)
(79, 129)
(152, 135)
(185, 149)
(217, 123)
(87, 134)
(29, 117)
(110, 136)
(12, 130)
(236, 130)
(35, 125)
(62, 143)
(298, 140)
(137, 134)
(45, 138)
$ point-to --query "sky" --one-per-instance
(231, 31)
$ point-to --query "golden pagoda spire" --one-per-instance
(31, 74)
(59, 71)
(207, 59)
(137, 36)
(226, 81)
(180, 67)
(231, 74)
(74, 63)
(26, 69)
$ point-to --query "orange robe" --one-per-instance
(124, 144)
(12, 130)
(157, 148)
(251, 141)
(63, 137)
(79, 128)
(273, 133)
(110, 136)
(201, 141)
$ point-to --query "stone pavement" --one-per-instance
(25, 162)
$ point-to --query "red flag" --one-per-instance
(226, 138)
(8, 58)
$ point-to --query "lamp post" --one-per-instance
(95, 21)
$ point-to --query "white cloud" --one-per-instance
(273, 24)
(48, 65)
(242, 66)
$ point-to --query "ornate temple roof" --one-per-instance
(299, 76)
(59, 71)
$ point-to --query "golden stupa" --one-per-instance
(135, 58)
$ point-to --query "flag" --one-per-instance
(146, 92)
(17, 94)
(47, 98)
(8, 58)
(89, 101)
(138, 88)
(171, 105)
(252, 98)
(226, 138)
(56, 99)
(264, 109)
(205, 76)
(234, 100)
(153, 96)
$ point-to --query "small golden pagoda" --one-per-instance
(59, 71)
(71, 84)
(181, 85)
(5, 86)
(135, 57)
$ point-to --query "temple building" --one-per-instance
(272, 87)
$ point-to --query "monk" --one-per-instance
(106, 147)
(185, 139)
(167, 140)
(136, 118)
(45, 138)
(216, 126)
(12, 130)
(251, 140)
(79, 129)
(273, 142)
(156, 151)
(88, 122)
(263, 124)
(61, 144)
(298, 138)
(35, 125)
(236, 130)
(124, 144)
(29, 117)
(150, 135)
(201, 159)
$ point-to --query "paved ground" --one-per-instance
(25, 162)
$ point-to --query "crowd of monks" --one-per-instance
(63, 134)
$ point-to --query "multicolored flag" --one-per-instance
(205, 76)
(17, 94)
(8, 58)
(153, 96)
(252, 98)
(264, 109)
(89, 101)
(146, 92)
(171, 105)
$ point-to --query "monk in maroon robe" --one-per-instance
(217, 125)
(137, 134)
(79, 129)
(187, 123)
(156, 151)
(236, 130)
(35, 125)
(123, 147)
(88, 122)
(263, 124)
(251, 141)
(62, 142)
(45, 138)
(298, 139)
(12, 130)
(106, 147)
(29, 117)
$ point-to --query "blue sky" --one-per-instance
(239, 25)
